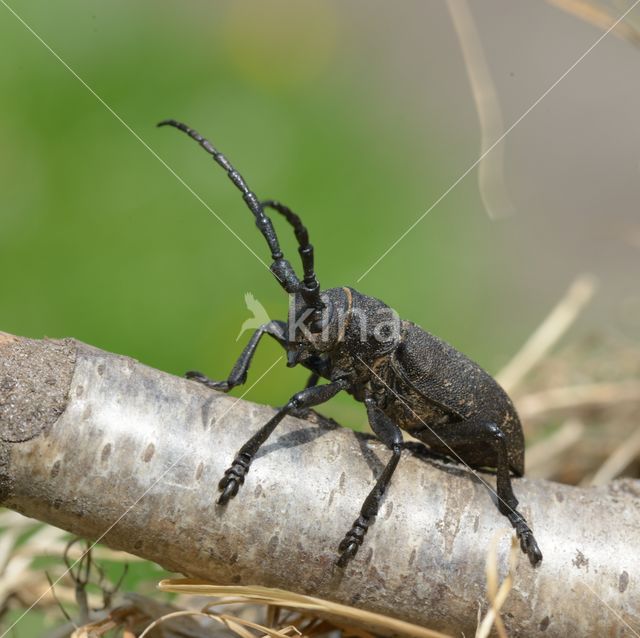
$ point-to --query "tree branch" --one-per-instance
(110, 449)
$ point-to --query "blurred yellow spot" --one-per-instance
(280, 43)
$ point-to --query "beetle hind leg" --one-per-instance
(507, 501)
(457, 436)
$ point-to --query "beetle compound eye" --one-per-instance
(387, 328)
(385, 333)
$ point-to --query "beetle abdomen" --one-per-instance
(442, 385)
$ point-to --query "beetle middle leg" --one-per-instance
(234, 476)
(389, 433)
(238, 375)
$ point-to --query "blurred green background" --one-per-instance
(100, 242)
(357, 115)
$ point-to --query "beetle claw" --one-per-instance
(233, 478)
(528, 544)
(229, 490)
(353, 539)
(530, 548)
(349, 549)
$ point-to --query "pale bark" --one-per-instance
(94, 442)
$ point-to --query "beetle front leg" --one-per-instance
(389, 433)
(238, 375)
(234, 477)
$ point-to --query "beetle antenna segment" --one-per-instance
(281, 267)
(311, 288)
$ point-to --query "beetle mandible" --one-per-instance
(407, 378)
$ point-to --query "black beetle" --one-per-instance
(406, 377)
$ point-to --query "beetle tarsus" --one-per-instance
(233, 478)
(528, 544)
(352, 540)
(194, 375)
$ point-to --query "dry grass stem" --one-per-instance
(598, 16)
(543, 456)
(548, 333)
(497, 595)
(491, 181)
(291, 600)
(573, 397)
(619, 459)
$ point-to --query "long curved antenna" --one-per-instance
(311, 288)
(281, 268)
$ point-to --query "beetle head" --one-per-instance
(313, 331)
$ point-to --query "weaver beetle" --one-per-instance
(407, 378)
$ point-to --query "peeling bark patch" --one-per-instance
(208, 413)
(106, 453)
(580, 560)
(149, 452)
(544, 623)
(7, 384)
(369, 557)
(333, 453)
(623, 582)
(273, 544)
(35, 377)
(101, 369)
(55, 470)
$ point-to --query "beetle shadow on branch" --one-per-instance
(304, 435)
(445, 463)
